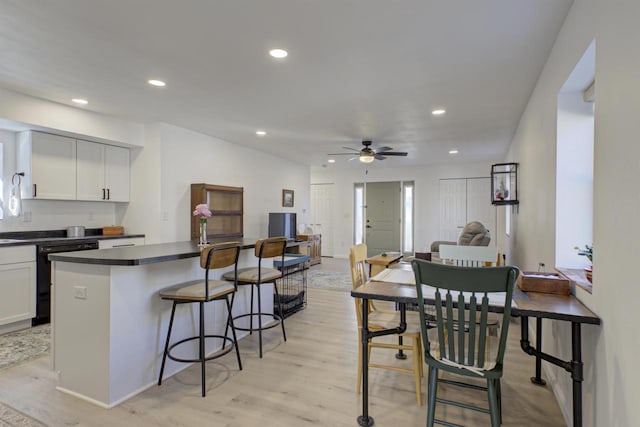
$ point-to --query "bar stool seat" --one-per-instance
(255, 276)
(195, 290)
(201, 292)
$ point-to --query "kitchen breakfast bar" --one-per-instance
(109, 325)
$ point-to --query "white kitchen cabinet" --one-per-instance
(17, 284)
(103, 172)
(49, 164)
(120, 243)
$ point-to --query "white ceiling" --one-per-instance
(357, 69)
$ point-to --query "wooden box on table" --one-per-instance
(548, 283)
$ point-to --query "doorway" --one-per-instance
(321, 215)
(383, 216)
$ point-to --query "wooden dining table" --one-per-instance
(525, 305)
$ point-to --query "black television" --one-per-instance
(282, 224)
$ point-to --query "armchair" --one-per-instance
(473, 234)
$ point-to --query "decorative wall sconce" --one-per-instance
(504, 184)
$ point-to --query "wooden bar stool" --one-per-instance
(203, 291)
(255, 276)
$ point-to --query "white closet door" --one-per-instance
(479, 207)
(321, 213)
(453, 208)
(463, 200)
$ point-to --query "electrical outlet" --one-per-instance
(165, 216)
(26, 216)
(80, 292)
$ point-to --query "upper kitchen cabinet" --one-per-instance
(49, 166)
(103, 172)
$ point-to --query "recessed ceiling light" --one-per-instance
(453, 151)
(158, 83)
(261, 133)
(80, 101)
(438, 112)
(331, 160)
(278, 53)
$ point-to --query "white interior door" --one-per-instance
(479, 207)
(321, 213)
(464, 200)
(453, 208)
(383, 217)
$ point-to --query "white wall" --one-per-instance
(427, 196)
(174, 158)
(612, 376)
(27, 112)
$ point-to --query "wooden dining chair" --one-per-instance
(463, 350)
(380, 319)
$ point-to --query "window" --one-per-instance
(358, 213)
(574, 163)
(407, 216)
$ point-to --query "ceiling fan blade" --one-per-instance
(353, 158)
(350, 148)
(382, 149)
(341, 154)
(393, 153)
(379, 157)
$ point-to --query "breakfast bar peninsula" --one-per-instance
(109, 325)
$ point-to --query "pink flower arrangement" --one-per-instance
(203, 211)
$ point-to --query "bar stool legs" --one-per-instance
(278, 318)
(202, 358)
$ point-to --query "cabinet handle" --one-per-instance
(108, 194)
(103, 196)
(35, 190)
(124, 245)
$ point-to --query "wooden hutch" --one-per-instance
(227, 208)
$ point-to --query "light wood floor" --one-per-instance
(309, 380)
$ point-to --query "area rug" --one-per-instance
(25, 345)
(330, 280)
(10, 417)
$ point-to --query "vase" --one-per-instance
(203, 232)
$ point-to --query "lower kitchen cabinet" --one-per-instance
(314, 250)
(17, 284)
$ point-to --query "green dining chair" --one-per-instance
(459, 293)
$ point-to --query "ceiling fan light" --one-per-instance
(366, 158)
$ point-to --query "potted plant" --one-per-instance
(587, 252)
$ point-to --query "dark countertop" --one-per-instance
(147, 254)
(15, 241)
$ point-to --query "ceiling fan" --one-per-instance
(368, 154)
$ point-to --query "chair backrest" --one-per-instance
(461, 293)
(357, 261)
(219, 255)
(469, 256)
(474, 234)
(271, 247)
